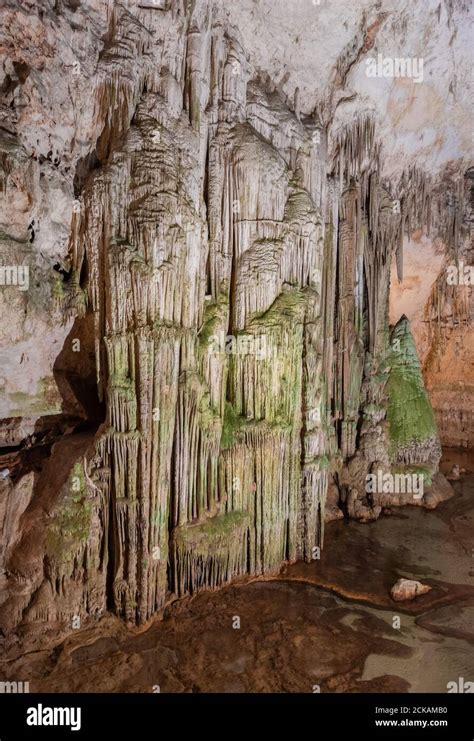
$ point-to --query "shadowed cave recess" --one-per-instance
(227, 330)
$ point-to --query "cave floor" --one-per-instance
(329, 624)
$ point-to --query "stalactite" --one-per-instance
(234, 256)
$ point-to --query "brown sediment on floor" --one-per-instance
(291, 638)
(326, 626)
(456, 620)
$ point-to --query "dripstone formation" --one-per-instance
(229, 272)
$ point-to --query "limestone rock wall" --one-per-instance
(437, 295)
(227, 269)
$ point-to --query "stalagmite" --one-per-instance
(231, 253)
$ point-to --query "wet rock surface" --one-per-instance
(329, 624)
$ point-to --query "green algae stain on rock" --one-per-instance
(209, 553)
(286, 310)
(213, 534)
(231, 425)
(215, 315)
(69, 528)
(412, 426)
(46, 400)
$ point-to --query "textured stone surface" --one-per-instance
(408, 589)
(317, 624)
(167, 186)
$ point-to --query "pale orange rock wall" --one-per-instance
(445, 342)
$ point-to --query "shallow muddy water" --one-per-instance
(329, 626)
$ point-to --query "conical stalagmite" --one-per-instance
(231, 254)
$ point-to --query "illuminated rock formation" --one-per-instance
(209, 206)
